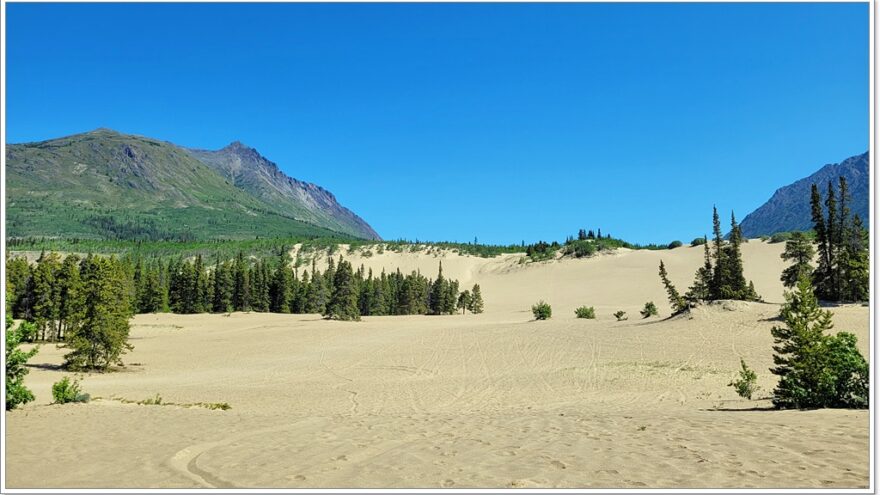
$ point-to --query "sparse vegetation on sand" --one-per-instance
(542, 310)
(585, 312)
(66, 390)
(649, 310)
(157, 400)
(620, 315)
(746, 382)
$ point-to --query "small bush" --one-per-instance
(746, 384)
(542, 311)
(675, 244)
(764, 238)
(780, 237)
(698, 241)
(649, 310)
(620, 315)
(67, 390)
(585, 312)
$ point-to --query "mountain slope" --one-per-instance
(103, 184)
(789, 207)
(249, 171)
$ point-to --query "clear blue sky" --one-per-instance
(449, 121)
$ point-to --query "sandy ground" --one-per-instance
(491, 400)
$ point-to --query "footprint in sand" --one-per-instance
(558, 464)
(447, 483)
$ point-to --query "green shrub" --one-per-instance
(816, 369)
(746, 384)
(16, 360)
(67, 390)
(620, 315)
(649, 310)
(675, 244)
(585, 312)
(542, 311)
(780, 237)
(698, 241)
(764, 238)
(151, 401)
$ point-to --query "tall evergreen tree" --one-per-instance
(476, 300)
(101, 338)
(699, 291)
(344, 299)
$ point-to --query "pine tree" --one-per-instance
(464, 301)
(800, 250)
(344, 299)
(476, 306)
(677, 302)
(317, 294)
(822, 273)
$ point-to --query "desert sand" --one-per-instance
(495, 400)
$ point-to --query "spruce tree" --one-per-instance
(222, 302)
(438, 289)
(798, 249)
(46, 300)
(719, 275)
(344, 299)
(70, 296)
(241, 292)
(102, 337)
(815, 369)
(735, 286)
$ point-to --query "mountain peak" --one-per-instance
(789, 207)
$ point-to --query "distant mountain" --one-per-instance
(249, 171)
(789, 207)
(104, 184)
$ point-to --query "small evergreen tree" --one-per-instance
(815, 369)
(476, 306)
(16, 361)
(649, 310)
(464, 301)
(677, 302)
(800, 250)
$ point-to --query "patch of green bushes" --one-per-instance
(542, 311)
(585, 312)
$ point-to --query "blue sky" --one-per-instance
(449, 121)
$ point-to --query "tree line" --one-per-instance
(53, 290)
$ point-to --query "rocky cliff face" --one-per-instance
(249, 171)
(789, 207)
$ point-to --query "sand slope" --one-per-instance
(491, 400)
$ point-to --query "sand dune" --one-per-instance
(491, 400)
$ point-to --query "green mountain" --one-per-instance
(107, 185)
